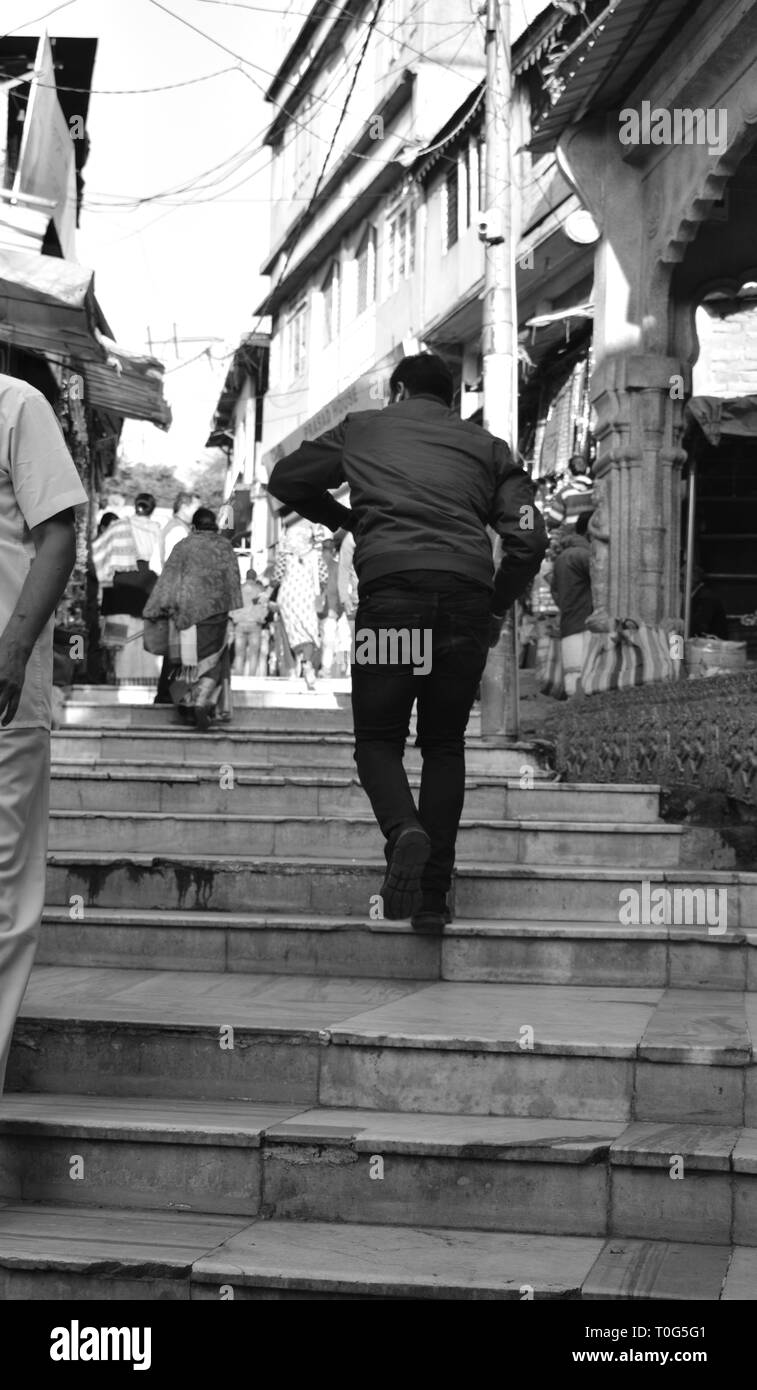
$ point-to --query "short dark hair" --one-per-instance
(582, 523)
(105, 521)
(424, 374)
(204, 519)
(144, 504)
(580, 460)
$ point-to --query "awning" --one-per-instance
(127, 384)
(602, 64)
(47, 305)
(716, 417)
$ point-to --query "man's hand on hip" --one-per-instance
(495, 628)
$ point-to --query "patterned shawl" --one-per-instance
(200, 580)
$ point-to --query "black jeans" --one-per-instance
(448, 618)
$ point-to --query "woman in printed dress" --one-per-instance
(301, 574)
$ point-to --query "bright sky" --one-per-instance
(194, 266)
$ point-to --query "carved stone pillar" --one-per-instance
(635, 573)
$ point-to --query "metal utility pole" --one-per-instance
(499, 685)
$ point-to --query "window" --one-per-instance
(481, 160)
(303, 145)
(366, 271)
(474, 178)
(467, 189)
(450, 227)
(330, 291)
(296, 341)
(400, 248)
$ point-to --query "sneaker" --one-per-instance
(407, 855)
(433, 915)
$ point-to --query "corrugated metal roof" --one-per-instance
(600, 68)
(128, 385)
(46, 304)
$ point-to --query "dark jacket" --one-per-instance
(571, 585)
(424, 486)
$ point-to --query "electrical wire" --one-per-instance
(230, 165)
(37, 20)
(137, 91)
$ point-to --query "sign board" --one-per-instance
(369, 392)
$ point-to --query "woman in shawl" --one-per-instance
(196, 592)
(301, 573)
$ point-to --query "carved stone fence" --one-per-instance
(688, 732)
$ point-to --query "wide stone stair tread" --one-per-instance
(325, 922)
(609, 1021)
(282, 818)
(626, 875)
(246, 1124)
(129, 1252)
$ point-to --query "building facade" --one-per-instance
(388, 258)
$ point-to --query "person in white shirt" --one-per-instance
(39, 488)
(180, 524)
(148, 534)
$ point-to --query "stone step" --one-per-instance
(249, 691)
(334, 838)
(532, 892)
(504, 952)
(552, 1177)
(272, 750)
(58, 1252)
(280, 695)
(568, 1052)
(114, 786)
(327, 714)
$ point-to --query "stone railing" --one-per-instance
(699, 733)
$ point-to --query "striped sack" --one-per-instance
(629, 654)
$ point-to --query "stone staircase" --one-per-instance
(232, 1078)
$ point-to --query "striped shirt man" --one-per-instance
(574, 495)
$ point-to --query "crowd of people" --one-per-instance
(173, 610)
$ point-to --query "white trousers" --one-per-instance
(24, 806)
